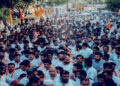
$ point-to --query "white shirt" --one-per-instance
(86, 52)
(70, 83)
(91, 73)
(34, 62)
(17, 73)
(68, 67)
(3, 81)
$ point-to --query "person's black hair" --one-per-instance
(88, 62)
(26, 41)
(47, 61)
(83, 73)
(100, 76)
(32, 53)
(112, 63)
(79, 56)
(39, 72)
(106, 47)
(109, 82)
(85, 79)
(59, 68)
(85, 44)
(98, 53)
(62, 52)
(20, 85)
(78, 65)
(33, 79)
(11, 64)
(54, 41)
(2, 64)
(105, 65)
(106, 55)
(79, 46)
(2, 50)
(64, 72)
(117, 48)
(25, 63)
(12, 50)
(96, 48)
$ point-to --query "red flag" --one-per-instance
(21, 16)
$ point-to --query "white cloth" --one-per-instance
(86, 52)
(3, 81)
(91, 73)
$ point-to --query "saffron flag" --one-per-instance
(21, 16)
(77, 7)
(41, 12)
(119, 12)
(10, 16)
(109, 24)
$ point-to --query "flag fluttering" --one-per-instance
(119, 12)
(50, 11)
(10, 16)
(109, 24)
(77, 7)
(41, 12)
(21, 16)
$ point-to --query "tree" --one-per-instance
(56, 2)
(113, 5)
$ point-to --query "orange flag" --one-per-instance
(52, 9)
(21, 16)
(77, 7)
(71, 7)
(119, 12)
(41, 12)
(44, 11)
(109, 24)
(35, 12)
(10, 16)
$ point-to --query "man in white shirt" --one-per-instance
(24, 65)
(2, 76)
(65, 80)
(67, 64)
(86, 52)
(91, 72)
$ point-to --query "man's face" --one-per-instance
(79, 59)
(97, 57)
(52, 72)
(85, 83)
(11, 68)
(60, 57)
(105, 49)
(17, 59)
(2, 70)
(75, 70)
(66, 60)
(100, 80)
(31, 57)
(47, 65)
(65, 78)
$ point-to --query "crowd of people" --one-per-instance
(62, 51)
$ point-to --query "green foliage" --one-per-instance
(113, 5)
(4, 14)
(14, 3)
(56, 2)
